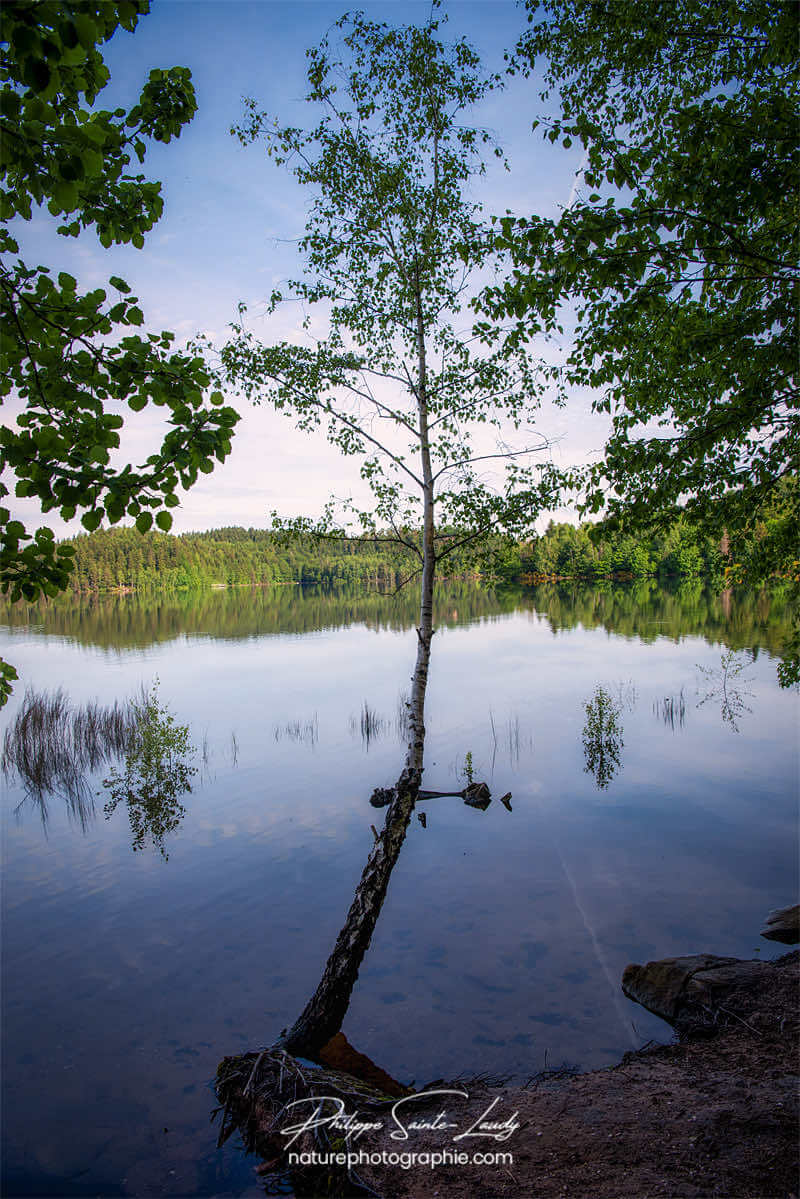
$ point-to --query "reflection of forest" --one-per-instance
(736, 618)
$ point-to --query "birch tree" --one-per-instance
(391, 246)
(394, 246)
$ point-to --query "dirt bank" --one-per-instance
(714, 1114)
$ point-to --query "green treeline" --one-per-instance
(121, 558)
(681, 550)
(586, 551)
(231, 557)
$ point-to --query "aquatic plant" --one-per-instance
(671, 709)
(157, 773)
(53, 745)
(602, 737)
(304, 731)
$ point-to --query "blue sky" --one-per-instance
(232, 218)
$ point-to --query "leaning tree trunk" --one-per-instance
(324, 1013)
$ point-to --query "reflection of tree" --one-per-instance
(53, 746)
(645, 610)
(157, 773)
(602, 737)
(761, 620)
(726, 685)
(240, 613)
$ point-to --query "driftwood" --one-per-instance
(477, 795)
(255, 1091)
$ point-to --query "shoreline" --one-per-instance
(714, 1113)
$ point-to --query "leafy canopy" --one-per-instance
(679, 252)
(75, 359)
(387, 367)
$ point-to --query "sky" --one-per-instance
(232, 219)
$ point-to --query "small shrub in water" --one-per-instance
(157, 772)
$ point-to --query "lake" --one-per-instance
(129, 973)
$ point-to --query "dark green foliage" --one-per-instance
(679, 251)
(122, 558)
(603, 550)
(76, 359)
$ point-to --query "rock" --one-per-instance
(660, 986)
(679, 989)
(711, 986)
(783, 925)
(477, 795)
(505, 800)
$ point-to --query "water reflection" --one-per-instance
(740, 619)
(500, 933)
(727, 686)
(671, 710)
(135, 621)
(304, 731)
(52, 746)
(602, 737)
(157, 774)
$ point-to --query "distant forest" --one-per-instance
(123, 558)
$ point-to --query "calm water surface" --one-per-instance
(128, 975)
